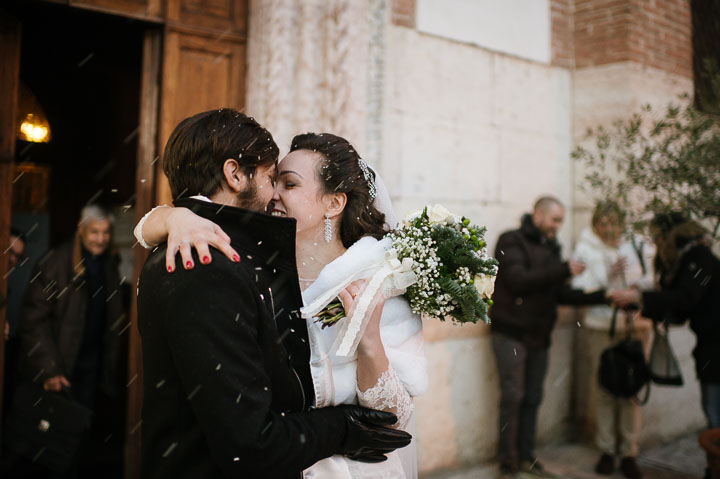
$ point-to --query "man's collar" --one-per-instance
(256, 232)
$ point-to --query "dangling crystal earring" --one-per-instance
(328, 228)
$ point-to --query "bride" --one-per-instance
(325, 185)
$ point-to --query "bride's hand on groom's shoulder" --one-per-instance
(186, 231)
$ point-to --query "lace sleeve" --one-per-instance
(388, 394)
(138, 229)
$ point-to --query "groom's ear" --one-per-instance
(336, 204)
(234, 176)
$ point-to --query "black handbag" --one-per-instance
(664, 367)
(46, 427)
(623, 371)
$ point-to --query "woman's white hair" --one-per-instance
(97, 213)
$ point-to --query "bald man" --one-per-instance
(532, 280)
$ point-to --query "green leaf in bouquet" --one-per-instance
(470, 306)
(455, 251)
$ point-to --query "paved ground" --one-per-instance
(680, 459)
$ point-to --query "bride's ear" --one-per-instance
(336, 204)
(234, 176)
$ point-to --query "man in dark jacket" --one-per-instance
(225, 352)
(531, 282)
(71, 321)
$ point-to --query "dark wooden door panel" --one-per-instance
(9, 84)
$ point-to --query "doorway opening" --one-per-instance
(84, 69)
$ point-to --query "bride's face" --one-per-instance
(298, 192)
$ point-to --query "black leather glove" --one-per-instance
(368, 438)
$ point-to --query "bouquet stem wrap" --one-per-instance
(389, 277)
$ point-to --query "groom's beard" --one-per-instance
(249, 200)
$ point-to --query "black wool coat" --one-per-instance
(532, 280)
(226, 359)
(692, 292)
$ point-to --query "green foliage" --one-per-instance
(470, 306)
(453, 250)
(448, 255)
(656, 163)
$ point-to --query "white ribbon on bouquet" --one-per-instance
(385, 274)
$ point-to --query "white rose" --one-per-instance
(485, 284)
(411, 216)
(439, 214)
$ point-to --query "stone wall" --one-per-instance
(484, 133)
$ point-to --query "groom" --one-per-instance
(225, 352)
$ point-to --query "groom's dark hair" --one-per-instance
(198, 147)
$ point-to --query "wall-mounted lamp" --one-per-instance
(32, 124)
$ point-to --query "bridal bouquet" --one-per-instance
(438, 261)
(455, 275)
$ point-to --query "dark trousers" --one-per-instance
(710, 397)
(522, 373)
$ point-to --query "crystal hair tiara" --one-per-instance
(368, 177)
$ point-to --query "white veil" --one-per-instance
(382, 202)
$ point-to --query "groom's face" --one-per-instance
(259, 190)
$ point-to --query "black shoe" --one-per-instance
(606, 465)
(629, 468)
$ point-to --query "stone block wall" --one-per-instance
(486, 133)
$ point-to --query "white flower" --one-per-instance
(436, 214)
(413, 214)
(440, 214)
(485, 284)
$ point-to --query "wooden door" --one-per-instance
(146, 159)
(150, 10)
(203, 65)
(9, 81)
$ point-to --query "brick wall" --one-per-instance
(403, 13)
(561, 24)
(662, 35)
(602, 31)
(656, 33)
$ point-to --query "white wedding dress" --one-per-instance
(335, 377)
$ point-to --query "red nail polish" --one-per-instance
(188, 265)
(170, 269)
(206, 259)
(236, 258)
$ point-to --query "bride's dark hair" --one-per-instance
(340, 172)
